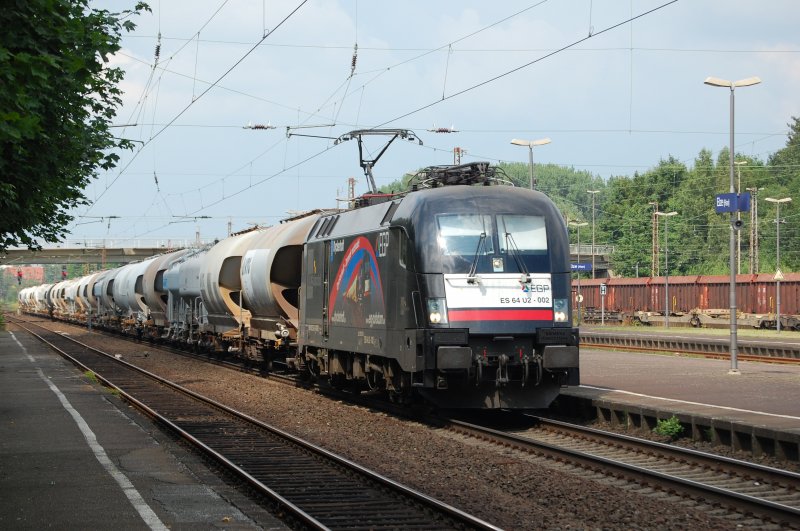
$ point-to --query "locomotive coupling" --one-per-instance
(502, 370)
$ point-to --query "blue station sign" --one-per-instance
(581, 267)
(732, 203)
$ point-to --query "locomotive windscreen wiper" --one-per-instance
(474, 267)
(511, 245)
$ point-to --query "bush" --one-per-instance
(670, 427)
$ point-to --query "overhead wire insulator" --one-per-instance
(268, 125)
(158, 47)
(355, 59)
(155, 178)
(451, 129)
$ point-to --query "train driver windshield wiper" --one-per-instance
(472, 277)
(511, 245)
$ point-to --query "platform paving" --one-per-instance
(74, 456)
(756, 410)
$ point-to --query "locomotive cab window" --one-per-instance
(525, 234)
(465, 234)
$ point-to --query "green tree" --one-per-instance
(785, 163)
(698, 236)
(57, 99)
(698, 241)
(784, 181)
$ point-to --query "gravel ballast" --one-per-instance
(505, 487)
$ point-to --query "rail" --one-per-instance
(776, 351)
(744, 489)
(319, 489)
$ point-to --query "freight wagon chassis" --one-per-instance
(715, 318)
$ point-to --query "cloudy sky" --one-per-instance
(616, 85)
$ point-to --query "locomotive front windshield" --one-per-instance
(526, 233)
(501, 243)
(463, 234)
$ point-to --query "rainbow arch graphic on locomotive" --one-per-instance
(349, 287)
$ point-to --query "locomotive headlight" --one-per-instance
(560, 313)
(437, 311)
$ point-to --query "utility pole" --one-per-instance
(738, 164)
(594, 193)
(457, 153)
(754, 266)
(654, 254)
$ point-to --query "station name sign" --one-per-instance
(732, 203)
(581, 267)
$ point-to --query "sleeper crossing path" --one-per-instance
(311, 486)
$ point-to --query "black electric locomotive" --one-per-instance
(458, 291)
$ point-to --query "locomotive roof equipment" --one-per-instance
(367, 164)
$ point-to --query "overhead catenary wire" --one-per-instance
(139, 108)
(526, 65)
(194, 100)
(607, 29)
(340, 112)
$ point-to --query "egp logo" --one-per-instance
(534, 286)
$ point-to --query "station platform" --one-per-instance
(74, 456)
(755, 411)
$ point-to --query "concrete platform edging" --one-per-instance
(712, 426)
(142, 508)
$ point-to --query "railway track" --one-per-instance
(318, 489)
(765, 351)
(745, 493)
(732, 489)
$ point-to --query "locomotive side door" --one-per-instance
(326, 288)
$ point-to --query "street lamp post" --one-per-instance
(666, 215)
(738, 164)
(530, 144)
(578, 225)
(778, 255)
(593, 192)
(716, 82)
